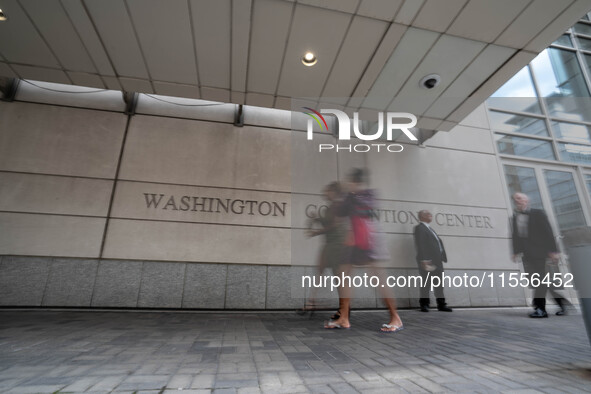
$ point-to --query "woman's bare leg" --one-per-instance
(388, 298)
(344, 299)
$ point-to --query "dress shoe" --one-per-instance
(444, 308)
(538, 313)
(424, 308)
(561, 312)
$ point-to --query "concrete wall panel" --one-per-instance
(189, 152)
(463, 138)
(205, 286)
(70, 282)
(117, 284)
(22, 280)
(59, 140)
(143, 240)
(151, 201)
(162, 285)
(438, 176)
(246, 287)
(50, 235)
(54, 194)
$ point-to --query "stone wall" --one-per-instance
(101, 209)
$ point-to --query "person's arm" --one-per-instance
(514, 242)
(549, 239)
(419, 235)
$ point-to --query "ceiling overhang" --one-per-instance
(371, 54)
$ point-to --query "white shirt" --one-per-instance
(522, 220)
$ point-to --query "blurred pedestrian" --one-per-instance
(359, 205)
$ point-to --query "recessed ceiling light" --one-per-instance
(2, 16)
(309, 59)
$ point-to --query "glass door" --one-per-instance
(555, 189)
(564, 198)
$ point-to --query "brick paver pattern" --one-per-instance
(494, 350)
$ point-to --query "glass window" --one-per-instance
(527, 147)
(564, 40)
(558, 74)
(584, 43)
(575, 153)
(587, 62)
(523, 180)
(518, 94)
(583, 28)
(501, 121)
(588, 183)
(571, 131)
(565, 199)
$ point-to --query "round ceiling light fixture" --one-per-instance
(309, 59)
(430, 81)
(2, 16)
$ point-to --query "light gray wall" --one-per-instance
(76, 229)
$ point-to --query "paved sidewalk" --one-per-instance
(496, 350)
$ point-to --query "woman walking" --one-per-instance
(359, 206)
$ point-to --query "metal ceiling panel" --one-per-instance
(111, 19)
(6, 71)
(380, 9)
(361, 41)
(241, 17)
(215, 94)
(136, 85)
(531, 21)
(348, 6)
(485, 20)
(90, 39)
(26, 45)
(381, 56)
(163, 28)
(404, 60)
(503, 74)
(41, 74)
(112, 83)
(212, 35)
(448, 58)
(485, 64)
(558, 26)
(408, 11)
(85, 79)
(260, 100)
(270, 28)
(317, 30)
(52, 21)
(237, 97)
(175, 89)
(283, 103)
(437, 15)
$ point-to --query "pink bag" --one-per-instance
(361, 232)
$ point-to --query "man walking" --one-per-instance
(533, 239)
(430, 258)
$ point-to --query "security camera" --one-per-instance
(430, 81)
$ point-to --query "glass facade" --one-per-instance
(523, 180)
(565, 199)
(541, 121)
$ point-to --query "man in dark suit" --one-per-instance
(430, 258)
(534, 241)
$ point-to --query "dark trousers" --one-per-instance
(438, 290)
(538, 266)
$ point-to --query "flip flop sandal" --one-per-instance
(390, 326)
(334, 326)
